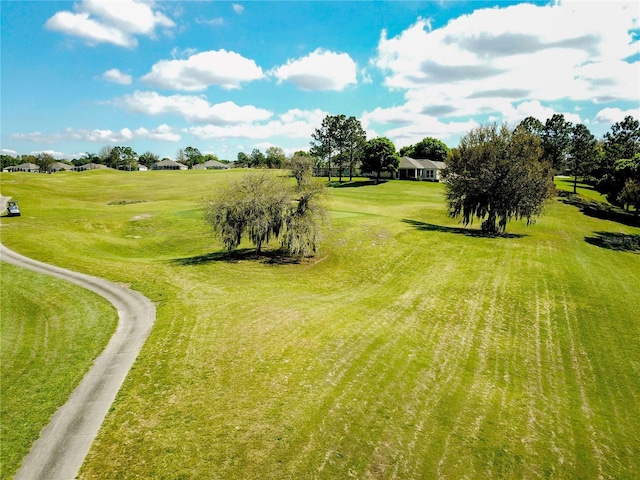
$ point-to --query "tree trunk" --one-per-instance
(575, 184)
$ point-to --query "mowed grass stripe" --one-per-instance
(407, 349)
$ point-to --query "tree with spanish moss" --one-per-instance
(261, 207)
(496, 175)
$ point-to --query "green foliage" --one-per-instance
(275, 157)
(630, 194)
(45, 161)
(260, 207)
(379, 156)
(302, 169)
(193, 157)
(253, 206)
(148, 159)
(496, 175)
(339, 139)
(621, 148)
(304, 222)
(556, 141)
(428, 148)
(583, 153)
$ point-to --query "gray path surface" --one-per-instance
(64, 443)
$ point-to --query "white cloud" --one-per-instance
(609, 116)
(163, 132)
(115, 22)
(80, 25)
(320, 70)
(493, 59)
(214, 22)
(225, 69)
(116, 76)
(53, 153)
(409, 127)
(37, 137)
(7, 151)
(194, 109)
(293, 124)
(237, 8)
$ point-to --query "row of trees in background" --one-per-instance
(116, 157)
(496, 174)
(611, 164)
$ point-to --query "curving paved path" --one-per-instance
(64, 443)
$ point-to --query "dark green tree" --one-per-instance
(328, 140)
(583, 153)
(532, 125)
(45, 162)
(428, 148)
(257, 159)
(148, 159)
(275, 157)
(556, 141)
(192, 157)
(496, 175)
(379, 156)
(355, 139)
(243, 160)
(619, 146)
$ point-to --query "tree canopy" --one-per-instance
(340, 140)
(379, 156)
(496, 175)
(428, 148)
(260, 207)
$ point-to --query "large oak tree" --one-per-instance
(496, 175)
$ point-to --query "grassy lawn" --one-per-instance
(409, 348)
(50, 333)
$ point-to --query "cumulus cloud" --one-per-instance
(320, 70)
(99, 21)
(38, 137)
(163, 132)
(53, 153)
(116, 76)
(194, 109)
(292, 124)
(493, 59)
(7, 151)
(609, 116)
(199, 71)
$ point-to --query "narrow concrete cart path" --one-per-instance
(64, 443)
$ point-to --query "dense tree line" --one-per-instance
(611, 165)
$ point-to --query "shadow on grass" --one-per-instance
(276, 257)
(355, 184)
(429, 227)
(615, 241)
(585, 185)
(599, 210)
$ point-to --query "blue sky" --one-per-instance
(226, 77)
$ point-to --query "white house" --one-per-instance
(420, 169)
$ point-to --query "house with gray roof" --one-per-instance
(168, 164)
(89, 166)
(24, 167)
(420, 169)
